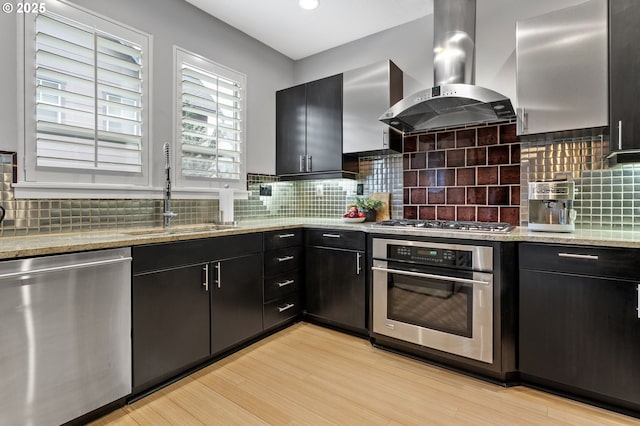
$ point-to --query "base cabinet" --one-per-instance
(283, 283)
(171, 323)
(236, 301)
(192, 300)
(335, 278)
(579, 321)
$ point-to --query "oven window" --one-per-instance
(436, 304)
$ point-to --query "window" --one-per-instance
(90, 82)
(211, 121)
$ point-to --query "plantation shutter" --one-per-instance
(211, 136)
(89, 107)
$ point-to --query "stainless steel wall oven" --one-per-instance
(439, 295)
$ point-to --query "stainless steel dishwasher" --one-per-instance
(65, 335)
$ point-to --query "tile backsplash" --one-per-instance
(476, 173)
(605, 198)
(326, 197)
(463, 174)
(27, 217)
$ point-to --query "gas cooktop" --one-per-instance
(447, 225)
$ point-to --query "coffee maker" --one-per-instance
(551, 206)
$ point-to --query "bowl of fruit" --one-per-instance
(353, 215)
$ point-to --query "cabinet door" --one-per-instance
(324, 124)
(561, 85)
(170, 323)
(581, 331)
(335, 286)
(291, 116)
(236, 301)
(624, 51)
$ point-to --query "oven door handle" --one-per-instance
(436, 277)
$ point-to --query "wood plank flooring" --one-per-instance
(308, 375)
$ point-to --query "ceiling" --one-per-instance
(298, 33)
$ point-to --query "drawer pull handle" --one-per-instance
(286, 258)
(638, 308)
(579, 256)
(286, 235)
(285, 307)
(331, 235)
(285, 283)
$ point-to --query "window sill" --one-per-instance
(29, 190)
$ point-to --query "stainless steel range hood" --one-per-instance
(454, 100)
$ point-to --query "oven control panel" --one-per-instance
(430, 255)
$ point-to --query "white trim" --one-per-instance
(191, 183)
(100, 191)
(71, 180)
(39, 190)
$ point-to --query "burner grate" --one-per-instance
(450, 225)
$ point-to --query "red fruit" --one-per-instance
(361, 215)
(353, 213)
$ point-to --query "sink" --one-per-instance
(180, 230)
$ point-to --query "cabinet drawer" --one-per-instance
(279, 261)
(596, 261)
(281, 310)
(280, 285)
(354, 240)
(274, 240)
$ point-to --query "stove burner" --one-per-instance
(452, 225)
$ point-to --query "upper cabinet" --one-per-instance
(561, 67)
(368, 92)
(624, 69)
(309, 129)
(319, 121)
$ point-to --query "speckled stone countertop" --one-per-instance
(45, 244)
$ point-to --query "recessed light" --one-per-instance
(308, 4)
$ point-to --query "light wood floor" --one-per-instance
(310, 375)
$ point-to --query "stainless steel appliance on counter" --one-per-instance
(437, 295)
(551, 206)
(65, 335)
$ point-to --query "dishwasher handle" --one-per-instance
(65, 267)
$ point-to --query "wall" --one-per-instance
(175, 22)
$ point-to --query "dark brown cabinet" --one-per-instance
(335, 278)
(624, 68)
(283, 284)
(236, 301)
(309, 129)
(170, 320)
(579, 321)
(192, 300)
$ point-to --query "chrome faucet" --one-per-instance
(167, 214)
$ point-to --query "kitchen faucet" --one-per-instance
(167, 214)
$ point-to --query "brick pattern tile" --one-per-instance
(463, 174)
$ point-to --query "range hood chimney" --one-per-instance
(454, 100)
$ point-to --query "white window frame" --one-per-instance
(53, 182)
(193, 186)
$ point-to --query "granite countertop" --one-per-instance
(45, 244)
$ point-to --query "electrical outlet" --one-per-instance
(265, 190)
(319, 191)
(360, 189)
